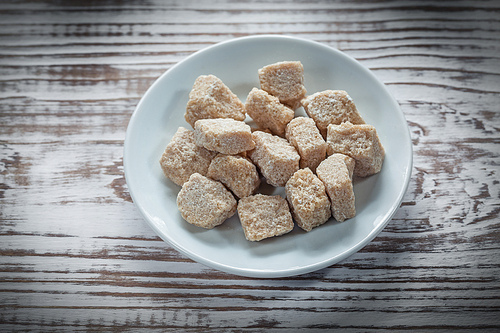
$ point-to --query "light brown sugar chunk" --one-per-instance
(360, 142)
(205, 202)
(331, 107)
(224, 135)
(303, 134)
(182, 157)
(336, 173)
(308, 200)
(267, 111)
(276, 158)
(264, 216)
(284, 80)
(211, 98)
(267, 130)
(238, 173)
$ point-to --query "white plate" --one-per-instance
(161, 111)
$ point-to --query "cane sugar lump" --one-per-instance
(276, 158)
(308, 200)
(205, 202)
(224, 135)
(267, 111)
(238, 173)
(360, 142)
(182, 157)
(303, 134)
(263, 216)
(211, 98)
(284, 80)
(267, 130)
(336, 173)
(331, 107)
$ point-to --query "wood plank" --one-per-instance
(76, 255)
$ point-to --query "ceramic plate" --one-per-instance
(161, 111)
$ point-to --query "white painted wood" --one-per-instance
(75, 254)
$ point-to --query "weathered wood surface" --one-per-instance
(76, 255)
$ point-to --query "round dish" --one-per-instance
(161, 111)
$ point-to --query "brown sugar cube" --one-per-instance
(224, 135)
(264, 216)
(360, 142)
(267, 130)
(303, 134)
(268, 112)
(276, 158)
(211, 98)
(182, 157)
(336, 173)
(238, 173)
(308, 200)
(284, 80)
(205, 202)
(331, 107)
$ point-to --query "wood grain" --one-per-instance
(75, 254)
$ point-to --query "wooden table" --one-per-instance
(75, 254)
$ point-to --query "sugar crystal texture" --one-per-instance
(263, 216)
(267, 111)
(276, 158)
(238, 173)
(336, 173)
(224, 135)
(308, 200)
(211, 98)
(284, 80)
(205, 202)
(331, 107)
(360, 142)
(182, 157)
(303, 134)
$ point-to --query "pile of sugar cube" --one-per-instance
(221, 163)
